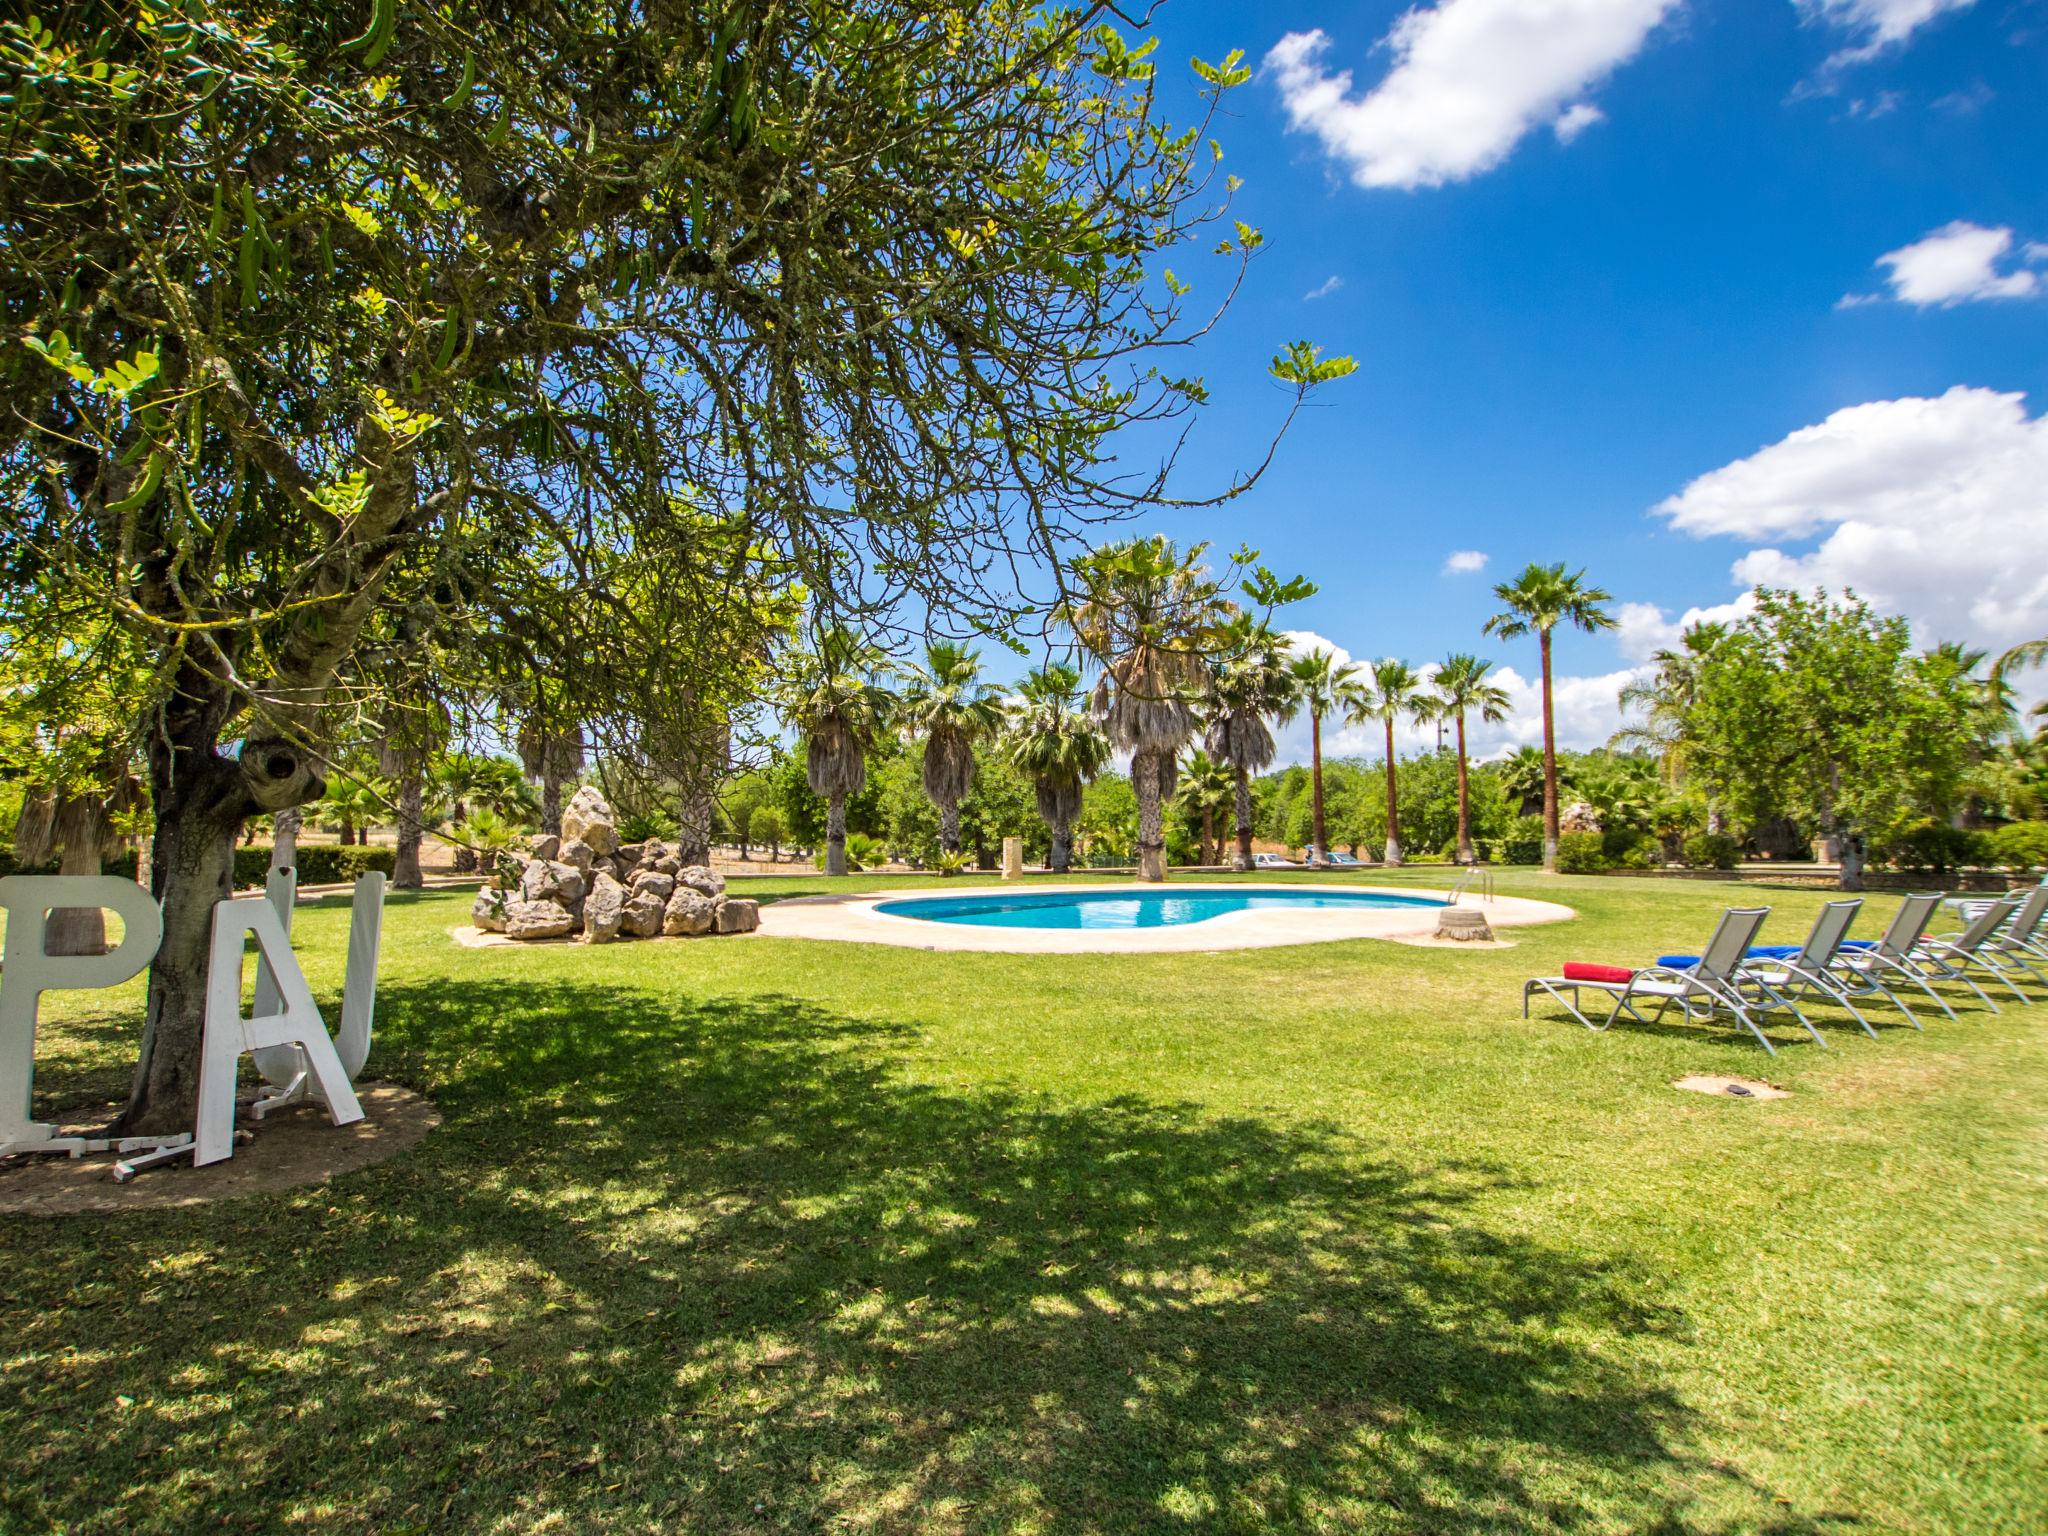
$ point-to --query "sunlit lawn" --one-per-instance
(773, 1235)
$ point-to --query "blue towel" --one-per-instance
(1756, 952)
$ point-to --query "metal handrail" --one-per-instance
(1474, 875)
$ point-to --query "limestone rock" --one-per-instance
(537, 920)
(699, 878)
(489, 911)
(575, 851)
(544, 881)
(688, 912)
(736, 914)
(547, 847)
(588, 817)
(654, 848)
(1578, 817)
(641, 917)
(629, 855)
(604, 910)
(667, 864)
(653, 882)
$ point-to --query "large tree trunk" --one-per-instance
(1852, 861)
(835, 835)
(1151, 822)
(1467, 854)
(1243, 812)
(1209, 835)
(412, 794)
(77, 930)
(693, 837)
(1549, 765)
(1319, 848)
(1393, 853)
(949, 826)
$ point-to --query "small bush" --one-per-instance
(2018, 845)
(1582, 853)
(1629, 849)
(1711, 850)
(1524, 841)
(1932, 845)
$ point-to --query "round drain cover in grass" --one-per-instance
(1730, 1087)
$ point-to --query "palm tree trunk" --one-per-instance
(1319, 851)
(1062, 846)
(1209, 835)
(405, 865)
(1466, 853)
(949, 826)
(1151, 822)
(77, 930)
(551, 801)
(1393, 853)
(1549, 765)
(1243, 811)
(835, 835)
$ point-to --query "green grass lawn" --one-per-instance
(766, 1235)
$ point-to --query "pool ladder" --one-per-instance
(1474, 876)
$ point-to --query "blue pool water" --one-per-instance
(1132, 909)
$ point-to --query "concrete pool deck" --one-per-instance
(854, 919)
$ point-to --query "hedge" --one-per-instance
(122, 864)
(319, 863)
(1711, 850)
(1582, 853)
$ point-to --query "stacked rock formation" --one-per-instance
(587, 883)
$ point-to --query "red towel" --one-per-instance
(1578, 970)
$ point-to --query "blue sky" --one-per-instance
(1694, 294)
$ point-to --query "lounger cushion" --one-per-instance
(1578, 970)
(1756, 952)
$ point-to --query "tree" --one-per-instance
(1820, 710)
(1059, 748)
(1148, 613)
(1318, 686)
(1462, 688)
(1205, 789)
(1537, 601)
(553, 755)
(1394, 690)
(480, 309)
(1248, 682)
(764, 825)
(1522, 779)
(840, 703)
(945, 702)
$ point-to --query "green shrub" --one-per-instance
(1931, 845)
(319, 864)
(1523, 843)
(1628, 849)
(1711, 850)
(122, 864)
(1582, 853)
(2018, 845)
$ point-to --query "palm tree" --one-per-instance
(1319, 686)
(947, 704)
(840, 702)
(1250, 683)
(1148, 613)
(79, 826)
(1060, 748)
(1537, 601)
(352, 805)
(1395, 690)
(1461, 688)
(1205, 788)
(1521, 779)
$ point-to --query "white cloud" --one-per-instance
(1958, 263)
(1878, 23)
(1575, 120)
(1469, 79)
(1641, 629)
(1463, 562)
(1325, 288)
(1932, 508)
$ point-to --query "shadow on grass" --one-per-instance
(709, 1264)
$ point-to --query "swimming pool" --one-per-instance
(1124, 909)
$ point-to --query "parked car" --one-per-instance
(1272, 861)
(1344, 858)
